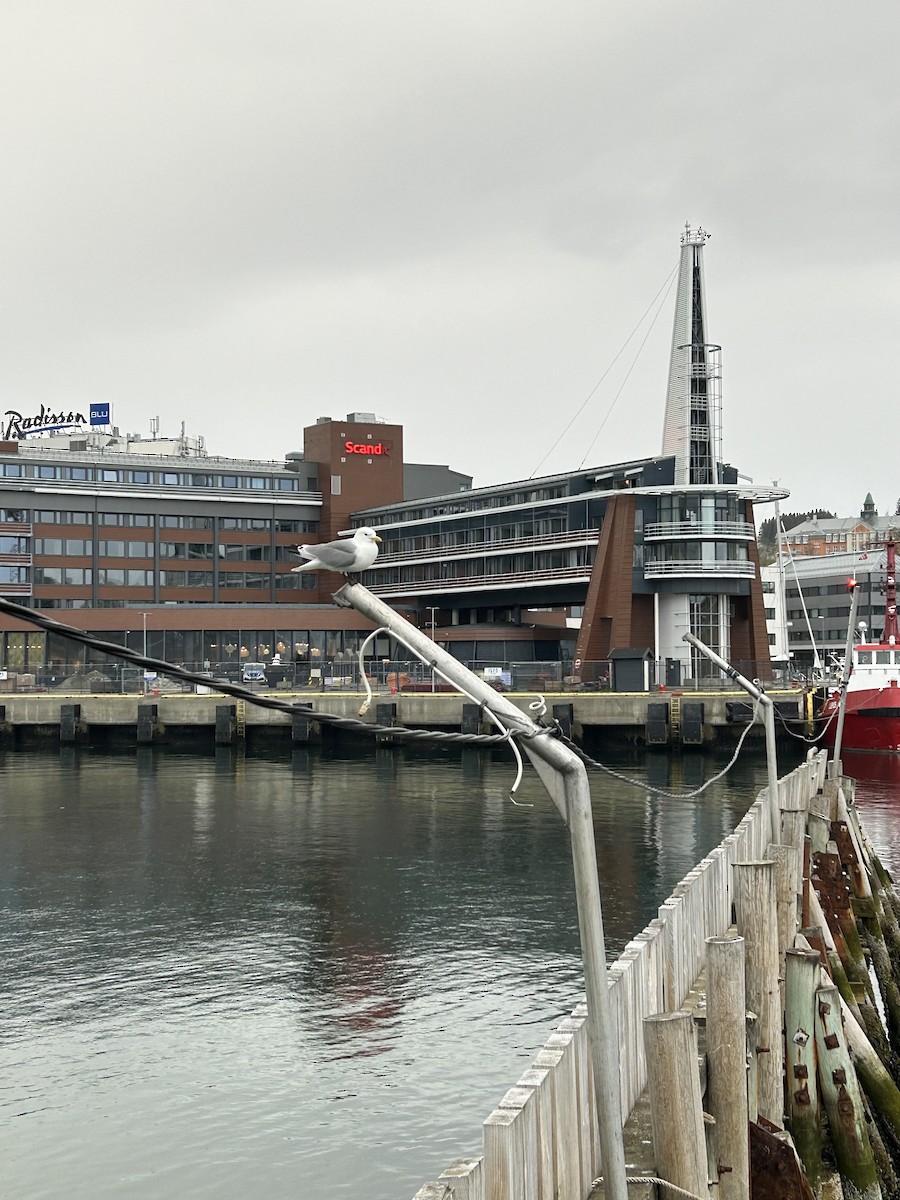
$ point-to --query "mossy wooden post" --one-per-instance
(802, 980)
(726, 1053)
(758, 925)
(877, 1083)
(788, 880)
(673, 1085)
(842, 1099)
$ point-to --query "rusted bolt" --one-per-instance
(763, 1050)
(831, 1041)
(722, 1169)
(801, 1071)
(802, 1096)
(824, 1008)
(839, 1076)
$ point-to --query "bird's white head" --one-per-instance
(366, 534)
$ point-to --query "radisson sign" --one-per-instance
(16, 426)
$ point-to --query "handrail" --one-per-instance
(698, 566)
(464, 583)
(701, 529)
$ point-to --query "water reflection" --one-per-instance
(308, 976)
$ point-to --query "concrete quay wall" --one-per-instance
(658, 718)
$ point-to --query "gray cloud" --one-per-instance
(245, 216)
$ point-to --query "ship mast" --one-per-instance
(891, 632)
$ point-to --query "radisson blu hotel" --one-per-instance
(153, 542)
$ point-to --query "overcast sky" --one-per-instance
(246, 215)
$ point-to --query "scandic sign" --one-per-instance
(371, 449)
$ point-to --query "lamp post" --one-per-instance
(432, 609)
(144, 672)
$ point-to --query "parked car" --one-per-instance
(253, 672)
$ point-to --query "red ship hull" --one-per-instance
(871, 722)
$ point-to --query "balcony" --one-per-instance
(692, 568)
(477, 583)
(441, 551)
(680, 530)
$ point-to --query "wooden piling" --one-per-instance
(726, 1053)
(788, 880)
(802, 981)
(673, 1084)
(758, 925)
(841, 1096)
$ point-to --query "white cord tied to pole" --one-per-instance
(508, 732)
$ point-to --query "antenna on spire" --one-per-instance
(694, 237)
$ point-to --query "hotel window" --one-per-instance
(111, 518)
(140, 477)
(201, 481)
(257, 482)
(79, 474)
(108, 475)
(13, 470)
(48, 546)
(240, 579)
(13, 545)
(48, 473)
(230, 481)
(15, 516)
(139, 578)
(171, 478)
(112, 549)
(78, 547)
(76, 518)
(77, 576)
(43, 575)
(287, 485)
(10, 574)
(45, 516)
(111, 577)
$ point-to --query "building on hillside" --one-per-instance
(821, 535)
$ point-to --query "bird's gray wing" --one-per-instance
(338, 556)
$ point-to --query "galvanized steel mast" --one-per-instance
(564, 775)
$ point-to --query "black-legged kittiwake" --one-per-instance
(355, 553)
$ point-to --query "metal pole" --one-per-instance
(768, 708)
(144, 685)
(564, 775)
(845, 676)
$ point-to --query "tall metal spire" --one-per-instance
(693, 425)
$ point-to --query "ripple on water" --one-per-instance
(236, 977)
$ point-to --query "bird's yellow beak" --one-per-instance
(376, 538)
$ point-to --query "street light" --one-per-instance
(432, 609)
(144, 672)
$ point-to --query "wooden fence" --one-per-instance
(542, 1140)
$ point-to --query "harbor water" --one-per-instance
(310, 976)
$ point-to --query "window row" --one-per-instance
(43, 516)
(116, 577)
(144, 477)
